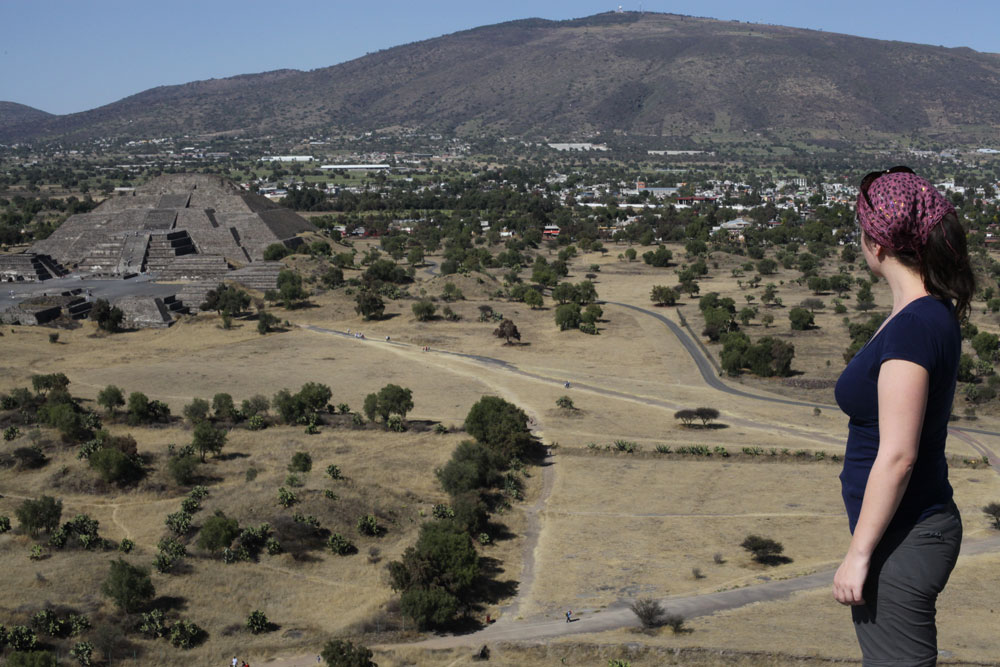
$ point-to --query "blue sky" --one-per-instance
(64, 56)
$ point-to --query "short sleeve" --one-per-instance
(911, 338)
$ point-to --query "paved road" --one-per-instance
(109, 288)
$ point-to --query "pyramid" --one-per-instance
(178, 226)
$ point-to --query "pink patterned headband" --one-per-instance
(898, 210)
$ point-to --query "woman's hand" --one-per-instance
(850, 579)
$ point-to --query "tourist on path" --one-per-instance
(898, 391)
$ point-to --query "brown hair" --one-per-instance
(943, 263)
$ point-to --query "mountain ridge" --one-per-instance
(649, 74)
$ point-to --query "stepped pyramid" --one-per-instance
(178, 226)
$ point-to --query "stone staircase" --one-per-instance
(164, 248)
(195, 267)
(28, 267)
(118, 254)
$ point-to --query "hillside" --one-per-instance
(646, 74)
(12, 113)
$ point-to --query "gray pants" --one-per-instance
(909, 568)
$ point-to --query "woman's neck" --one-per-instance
(905, 284)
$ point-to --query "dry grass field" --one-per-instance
(611, 528)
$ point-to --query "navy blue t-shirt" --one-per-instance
(924, 332)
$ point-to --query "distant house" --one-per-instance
(550, 231)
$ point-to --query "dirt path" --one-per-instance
(509, 627)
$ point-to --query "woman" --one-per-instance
(898, 391)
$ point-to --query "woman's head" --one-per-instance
(907, 216)
(897, 209)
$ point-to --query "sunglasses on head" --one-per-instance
(873, 176)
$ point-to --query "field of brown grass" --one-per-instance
(614, 527)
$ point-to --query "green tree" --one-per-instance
(662, 295)
(371, 407)
(110, 398)
(764, 549)
(116, 467)
(568, 316)
(393, 400)
(533, 298)
(369, 305)
(196, 411)
(108, 318)
(343, 653)
(416, 256)
(276, 251)
(800, 318)
(424, 310)
(207, 438)
(290, 289)
(333, 277)
(128, 586)
(218, 532)
(500, 425)
(985, 344)
(223, 407)
(39, 515)
(507, 330)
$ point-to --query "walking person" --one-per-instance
(898, 391)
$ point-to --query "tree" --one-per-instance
(266, 322)
(687, 417)
(38, 515)
(706, 415)
(276, 251)
(114, 466)
(333, 277)
(227, 300)
(393, 399)
(183, 469)
(568, 316)
(108, 318)
(437, 575)
(128, 586)
(649, 612)
(342, 653)
(800, 318)
(564, 293)
(223, 407)
(196, 411)
(764, 549)
(864, 298)
(985, 344)
(110, 398)
(533, 298)
(416, 256)
(370, 406)
(451, 292)
(290, 289)
(218, 532)
(369, 305)
(993, 511)
(424, 310)
(500, 425)
(207, 438)
(662, 295)
(507, 330)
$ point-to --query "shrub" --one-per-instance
(185, 634)
(800, 318)
(992, 510)
(565, 402)
(568, 316)
(152, 624)
(342, 653)
(39, 515)
(32, 659)
(286, 498)
(207, 438)
(301, 462)
(500, 426)
(10, 433)
(424, 310)
(196, 410)
(83, 653)
(128, 586)
(649, 612)
(340, 545)
(256, 423)
(334, 471)
(218, 532)
(4, 524)
(255, 405)
(764, 549)
(115, 467)
(257, 622)
(675, 622)
(368, 525)
(179, 523)
(183, 469)
(126, 545)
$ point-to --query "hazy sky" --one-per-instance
(63, 56)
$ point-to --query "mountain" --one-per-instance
(646, 74)
(12, 113)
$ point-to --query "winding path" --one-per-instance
(619, 615)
